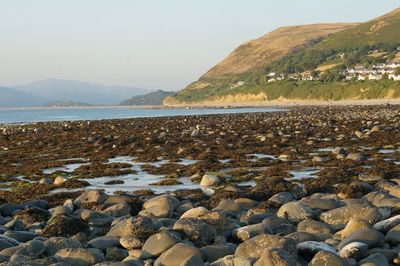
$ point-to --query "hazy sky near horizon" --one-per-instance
(155, 44)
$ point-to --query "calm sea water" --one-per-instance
(71, 114)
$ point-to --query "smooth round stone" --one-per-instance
(117, 210)
(8, 209)
(367, 236)
(323, 258)
(55, 244)
(244, 233)
(131, 242)
(386, 225)
(160, 206)
(352, 226)
(194, 260)
(177, 254)
(116, 254)
(91, 197)
(80, 256)
(194, 213)
(276, 257)
(309, 248)
(295, 212)
(393, 236)
(282, 198)
(217, 251)
(300, 237)
(157, 244)
(209, 180)
(279, 225)
(196, 230)
(234, 208)
(20, 236)
(104, 242)
(254, 247)
(354, 250)
(33, 248)
(131, 227)
(374, 260)
(321, 230)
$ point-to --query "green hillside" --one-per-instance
(152, 98)
(321, 55)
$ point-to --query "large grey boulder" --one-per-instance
(141, 227)
(80, 256)
(196, 230)
(104, 242)
(367, 236)
(91, 197)
(158, 243)
(295, 212)
(254, 247)
(274, 257)
(176, 255)
(324, 258)
(217, 251)
(55, 244)
(160, 206)
(246, 232)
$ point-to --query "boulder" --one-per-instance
(65, 226)
(354, 250)
(254, 247)
(217, 251)
(104, 242)
(160, 206)
(209, 180)
(176, 255)
(367, 236)
(308, 249)
(295, 212)
(272, 257)
(158, 244)
(245, 233)
(140, 227)
(196, 230)
(194, 213)
(55, 244)
(91, 197)
(80, 256)
(324, 258)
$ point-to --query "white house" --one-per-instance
(394, 77)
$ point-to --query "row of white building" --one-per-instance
(359, 73)
(377, 72)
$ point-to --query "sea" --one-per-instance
(32, 115)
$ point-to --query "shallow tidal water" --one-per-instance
(31, 115)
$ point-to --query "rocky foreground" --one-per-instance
(347, 213)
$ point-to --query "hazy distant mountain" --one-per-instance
(54, 90)
(152, 98)
(11, 97)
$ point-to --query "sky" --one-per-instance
(154, 44)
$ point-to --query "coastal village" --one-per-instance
(357, 73)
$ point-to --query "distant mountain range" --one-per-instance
(63, 92)
(11, 98)
(152, 98)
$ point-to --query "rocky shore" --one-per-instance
(307, 186)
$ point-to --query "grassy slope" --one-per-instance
(218, 84)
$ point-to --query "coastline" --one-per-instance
(223, 105)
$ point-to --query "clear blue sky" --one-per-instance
(147, 43)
